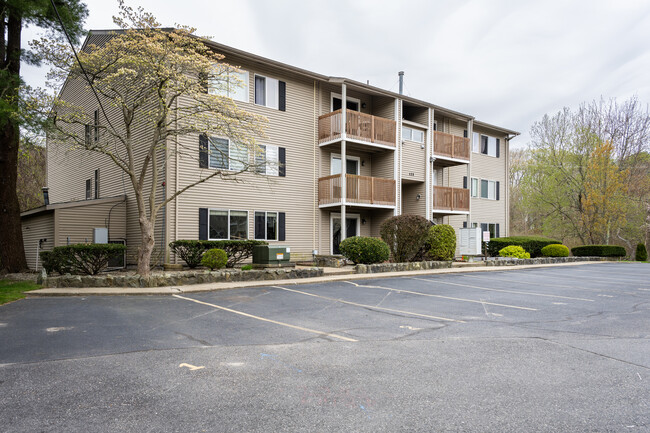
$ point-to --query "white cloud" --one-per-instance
(505, 62)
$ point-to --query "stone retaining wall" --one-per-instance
(395, 267)
(178, 278)
(543, 261)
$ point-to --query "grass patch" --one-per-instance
(13, 290)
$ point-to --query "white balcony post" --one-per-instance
(344, 121)
(470, 135)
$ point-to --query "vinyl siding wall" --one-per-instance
(37, 227)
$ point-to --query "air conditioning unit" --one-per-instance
(470, 241)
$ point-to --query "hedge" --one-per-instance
(364, 250)
(214, 258)
(555, 250)
(191, 251)
(406, 236)
(532, 244)
(514, 251)
(87, 259)
(599, 251)
(641, 254)
(442, 242)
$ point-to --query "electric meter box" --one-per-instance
(470, 241)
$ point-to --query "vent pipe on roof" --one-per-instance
(46, 195)
(401, 82)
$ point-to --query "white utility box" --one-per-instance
(470, 241)
(100, 235)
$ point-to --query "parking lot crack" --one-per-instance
(203, 342)
(601, 355)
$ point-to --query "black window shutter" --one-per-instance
(465, 133)
(464, 224)
(497, 190)
(203, 151)
(203, 81)
(465, 182)
(281, 225)
(498, 146)
(498, 231)
(260, 225)
(203, 224)
(282, 160)
(282, 92)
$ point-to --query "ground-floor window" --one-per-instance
(266, 226)
(228, 224)
(493, 228)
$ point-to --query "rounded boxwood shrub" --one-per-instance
(442, 242)
(599, 251)
(360, 249)
(406, 236)
(555, 250)
(214, 259)
(514, 251)
(641, 253)
(532, 244)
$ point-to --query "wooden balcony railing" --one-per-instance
(359, 126)
(450, 145)
(450, 199)
(360, 190)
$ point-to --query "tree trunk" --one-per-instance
(147, 244)
(12, 250)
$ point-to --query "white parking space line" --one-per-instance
(519, 281)
(410, 313)
(503, 290)
(442, 297)
(288, 325)
(621, 279)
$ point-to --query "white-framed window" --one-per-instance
(227, 155)
(227, 224)
(488, 189)
(267, 92)
(412, 134)
(231, 84)
(353, 104)
(493, 228)
(486, 145)
(266, 225)
(474, 187)
(352, 164)
(267, 160)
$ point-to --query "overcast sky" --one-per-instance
(504, 62)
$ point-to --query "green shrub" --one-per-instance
(247, 267)
(87, 259)
(214, 259)
(532, 244)
(191, 251)
(641, 254)
(599, 251)
(514, 251)
(406, 236)
(441, 242)
(364, 250)
(555, 250)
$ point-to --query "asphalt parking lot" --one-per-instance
(552, 349)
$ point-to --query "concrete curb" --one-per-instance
(209, 287)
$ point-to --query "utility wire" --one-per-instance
(65, 31)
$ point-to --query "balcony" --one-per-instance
(447, 200)
(359, 127)
(364, 191)
(451, 146)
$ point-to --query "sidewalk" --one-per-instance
(331, 274)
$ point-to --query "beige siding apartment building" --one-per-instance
(392, 155)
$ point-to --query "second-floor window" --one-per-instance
(270, 92)
(488, 189)
(226, 155)
(486, 145)
(412, 134)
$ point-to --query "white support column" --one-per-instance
(470, 135)
(427, 176)
(344, 118)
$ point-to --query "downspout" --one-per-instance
(470, 135)
(315, 179)
(176, 179)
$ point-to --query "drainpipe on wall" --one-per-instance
(344, 122)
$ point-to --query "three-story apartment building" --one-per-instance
(340, 158)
